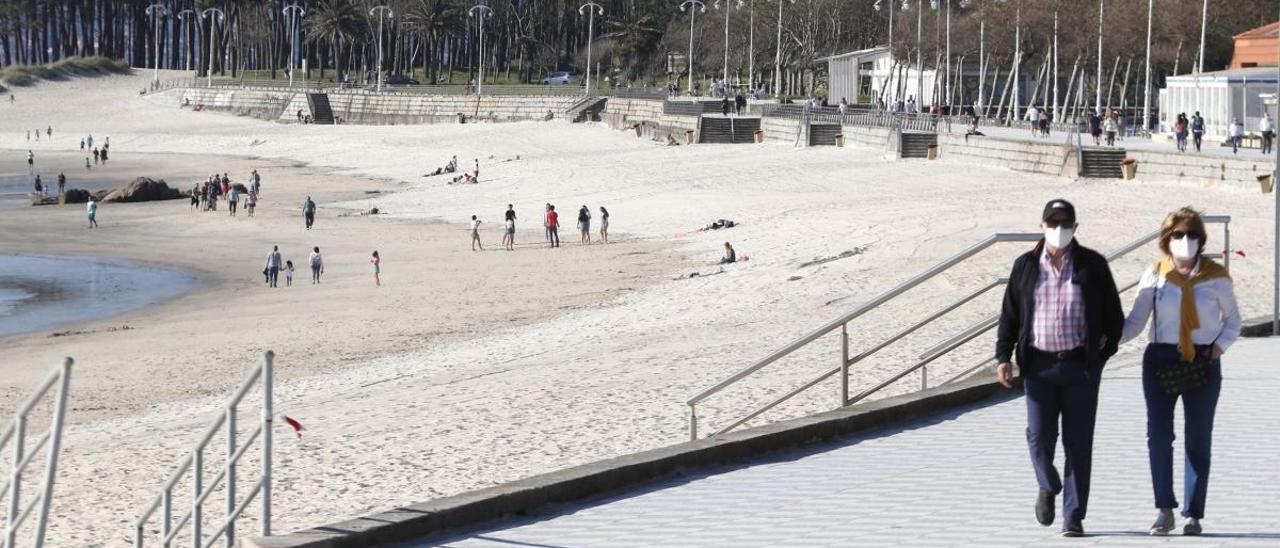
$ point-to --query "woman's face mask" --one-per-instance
(1185, 247)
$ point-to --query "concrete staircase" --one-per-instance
(321, 112)
(587, 108)
(1102, 163)
(824, 134)
(727, 130)
(916, 145)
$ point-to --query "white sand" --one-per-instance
(607, 376)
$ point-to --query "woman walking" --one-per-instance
(1195, 320)
(317, 265)
(604, 225)
(1180, 132)
(584, 225)
(1111, 127)
(377, 268)
(475, 234)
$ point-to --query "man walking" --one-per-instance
(509, 234)
(1062, 320)
(309, 211)
(553, 226)
(273, 265)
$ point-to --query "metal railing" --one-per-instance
(331, 87)
(194, 462)
(932, 354)
(11, 490)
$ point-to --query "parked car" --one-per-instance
(559, 79)
(400, 80)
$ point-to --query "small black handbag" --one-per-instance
(1183, 376)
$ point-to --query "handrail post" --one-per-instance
(168, 516)
(197, 485)
(844, 365)
(924, 378)
(693, 422)
(55, 445)
(266, 440)
(231, 476)
(1226, 244)
(15, 479)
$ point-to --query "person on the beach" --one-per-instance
(309, 212)
(86, 163)
(82, 144)
(226, 185)
(288, 273)
(730, 256)
(195, 197)
(1033, 114)
(92, 209)
(37, 135)
(724, 106)
(233, 199)
(39, 187)
(509, 237)
(31, 161)
(475, 177)
(104, 154)
(553, 226)
(255, 182)
(89, 140)
(604, 225)
(317, 265)
(251, 202)
(62, 183)
(475, 234)
(49, 132)
(273, 265)
(1195, 320)
(213, 198)
(97, 156)
(377, 268)
(584, 225)
(1062, 320)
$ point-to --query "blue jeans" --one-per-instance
(1061, 390)
(1198, 408)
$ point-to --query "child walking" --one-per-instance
(288, 273)
(377, 268)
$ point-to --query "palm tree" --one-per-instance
(434, 19)
(336, 21)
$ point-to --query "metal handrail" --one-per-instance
(16, 432)
(194, 461)
(935, 352)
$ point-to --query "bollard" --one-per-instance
(688, 137)
(462, 118)
(1267, 183)
(759, 136)
(840, 140)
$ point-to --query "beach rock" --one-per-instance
(142, 189)
(74, 196)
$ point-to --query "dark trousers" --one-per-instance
(1198, 408)
(232, 207)
(553, 236)
(311, 218)
(1197, 137)
(1267, 138)
(315, 274)
(1065, 390)
(273, 274)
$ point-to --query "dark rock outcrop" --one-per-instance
(142, 189)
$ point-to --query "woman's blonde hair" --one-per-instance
(1187, 217)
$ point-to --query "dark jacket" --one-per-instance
(1103, 315)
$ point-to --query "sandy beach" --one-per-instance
(469, 369)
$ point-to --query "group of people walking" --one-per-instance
(205, 196)
(1110, 124)
(99, 154)
(44, 189)
(550, 222)
(1061, 321)
(276, 264)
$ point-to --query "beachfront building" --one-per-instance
(1256, 47)
(862, 76)
(1219, 96)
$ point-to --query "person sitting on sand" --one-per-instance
(475, 234)
(730, 256)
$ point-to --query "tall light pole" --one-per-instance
(1017, 60)
(1056, 114)
(156, 11)
(384, 12)
(182, 16)
(294, 12)
(889, 79)
(1146, 92)
(693, 14)
(214, 15)
(728, 6)
(751, 47)
(592, 9)
(777, 60)
(1275, 251)
(485, 12)
(1098, 106)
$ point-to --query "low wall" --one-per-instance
(1238, 172)
(1046, 158)
(782, 130)
(647, 115)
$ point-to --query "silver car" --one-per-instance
(559, 79)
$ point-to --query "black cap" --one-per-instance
(1059, 206)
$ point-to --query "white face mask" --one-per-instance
(1059, 237)
(1184, 249)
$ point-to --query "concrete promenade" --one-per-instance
(962, 478)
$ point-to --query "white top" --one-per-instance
(1235, 130)
(475, 224)
(1264, 124)
(1215, 304)
(316, 260)
(1033, 114)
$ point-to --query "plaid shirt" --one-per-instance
(1058, 323)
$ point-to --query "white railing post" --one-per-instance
(55, 445)
(844, 365)
(231, 476)
(266, 440)
(693, 422)
(197, 488)
(167, 515)
(15, 479)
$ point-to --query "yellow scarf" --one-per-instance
(1190, 319)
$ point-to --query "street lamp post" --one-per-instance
(777, 60)
(727, 7)
(293, 12)
(182, 16)
(485, 12)
(693, 14)
(1275, 251)
(214, 15)
(384, 12)
(156, 11)
(591, 9)
(1146, 92)
(1098, 106)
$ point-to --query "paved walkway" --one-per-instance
(959, 479)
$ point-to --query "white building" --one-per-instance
(862, 76)
(1219, 97)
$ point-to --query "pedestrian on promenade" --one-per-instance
(317, 265)
(1033, 114)
(62, 183)
(1195, 321)
(584, 225)
(92, 208)
(1197, 129)
(604, 225)
(553, 226)
(1180, 132)
(273, 266)
(1095, 128)
(1268, 134)
(475, 234)
(1234, 133)
(1062, 320)
(309, 212)
(1044, 123)
(376, 261)
(1111, 126)
(509, 236)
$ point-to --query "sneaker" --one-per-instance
(1164, 523)
(1072, 528)
(1044, 508)
(1191, 527)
